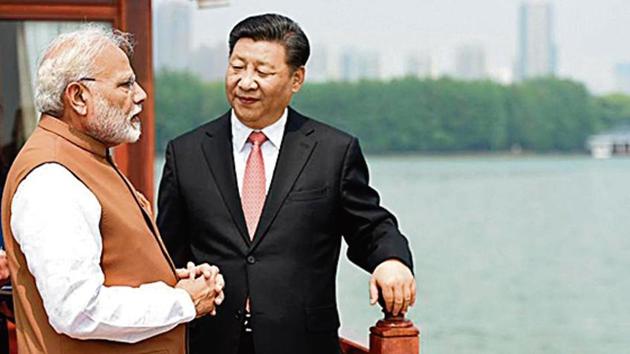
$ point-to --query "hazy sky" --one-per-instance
(591, 35)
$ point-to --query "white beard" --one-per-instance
(111, 125)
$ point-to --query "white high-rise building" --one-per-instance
(418, 65)
(470, 62)
(359, 64)
(318, 67)
(173, 34)
(210, 62)
(536, 47)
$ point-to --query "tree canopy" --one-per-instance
(409, 114)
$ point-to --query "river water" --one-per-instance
(512, 255)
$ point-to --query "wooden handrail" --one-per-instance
(391, 335)
(12, 338)
(350, 347)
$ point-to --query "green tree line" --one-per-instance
(406, 115)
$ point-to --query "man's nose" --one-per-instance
(247, 81)
(139, 94)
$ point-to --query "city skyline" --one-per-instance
(585, 32)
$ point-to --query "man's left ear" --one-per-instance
(298, 79)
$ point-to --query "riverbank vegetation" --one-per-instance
(414, 115)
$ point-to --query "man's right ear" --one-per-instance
(76, 97)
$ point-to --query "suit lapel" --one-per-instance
(296, 148)
(217, 149)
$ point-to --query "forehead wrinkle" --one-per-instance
(125, 76)
(114, 62)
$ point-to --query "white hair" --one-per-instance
(69, 58)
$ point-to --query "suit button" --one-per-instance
(251, 260)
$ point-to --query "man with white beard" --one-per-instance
(89, 270)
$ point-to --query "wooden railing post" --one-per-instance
(394, 335)
(391, 335)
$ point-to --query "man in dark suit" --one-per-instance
(267, 194)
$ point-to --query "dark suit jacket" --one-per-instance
(319, 193)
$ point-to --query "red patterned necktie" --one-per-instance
(253, 197)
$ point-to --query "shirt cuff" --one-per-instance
(188, 306)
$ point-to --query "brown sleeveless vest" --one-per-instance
(133, 252)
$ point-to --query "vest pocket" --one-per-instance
(323, 318)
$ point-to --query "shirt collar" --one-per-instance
(273, 132)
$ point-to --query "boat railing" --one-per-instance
(390, 335)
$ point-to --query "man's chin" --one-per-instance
(132, 135)
(245, 113)
(135, 135)
(247, 117)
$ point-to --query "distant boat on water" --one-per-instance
(608, 144)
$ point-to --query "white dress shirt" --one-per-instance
(55, 220)
(270, 148)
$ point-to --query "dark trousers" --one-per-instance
(4, 336)
(246, 345)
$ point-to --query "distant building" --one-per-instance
(358, 64)
(470, 62)
(173, 34)
(536, 54)
(622, 77)
(318, 67)
(210, 63)
(418, 65)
